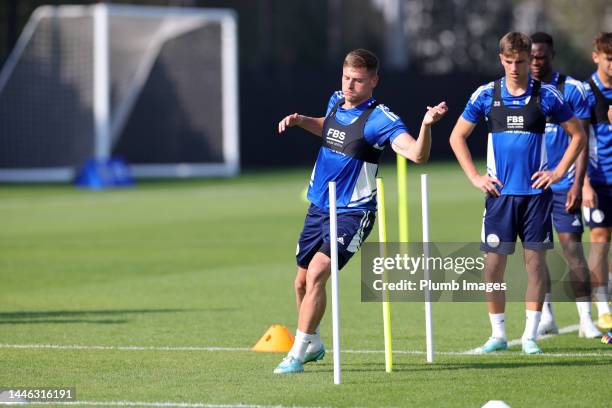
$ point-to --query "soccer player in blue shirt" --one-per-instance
(354, 132)
(567, 192)
(597, 190)
(518, 200)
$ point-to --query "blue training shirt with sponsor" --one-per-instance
(600, 138)
(355, 179)
(513, 156)
(557, 139)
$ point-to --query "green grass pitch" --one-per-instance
(210, 263)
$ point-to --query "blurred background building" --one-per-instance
(290, 55)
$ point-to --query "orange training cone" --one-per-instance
(276, 339)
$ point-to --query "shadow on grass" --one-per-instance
(89, 316)
(480, 365)
(66, 321)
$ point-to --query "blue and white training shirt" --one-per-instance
(557, 138)
(355, 179)
(514, 156)
(600, 139)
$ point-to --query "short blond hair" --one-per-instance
(362, 58)
(514, 42)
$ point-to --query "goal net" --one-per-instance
(156, 86)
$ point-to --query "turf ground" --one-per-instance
(127, 294)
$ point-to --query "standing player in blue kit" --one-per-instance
(354, 133)
(597, 191)
(567, 192)
(517, 181)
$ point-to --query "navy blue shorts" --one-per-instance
(600, 217)
(509, 216)
(353, 228)
(562, 220)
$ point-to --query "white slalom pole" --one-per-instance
(428, 319)
(101, 102)
(333, 240)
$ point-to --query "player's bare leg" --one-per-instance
(495, 265)
(598, 264)
(547, 322)
(535, 264)
(316, 349)
(578, 268)
(580, 281)
(311, 309)
(300, 286)
(315, 299)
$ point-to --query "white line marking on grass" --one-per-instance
(473, 353)
(516, 342)
(121, 348)
(244, 349)
(146, 404)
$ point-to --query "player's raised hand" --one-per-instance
(544, 178)
(487, 184)
(435, 113)
(288, 121)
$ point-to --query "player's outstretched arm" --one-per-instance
(462, 130)
(313, 125)
(543, 179)
(418, 150)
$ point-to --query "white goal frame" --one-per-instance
(107, 130)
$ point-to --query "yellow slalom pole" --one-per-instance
(402, 202)
(382, 237)
(402, 198)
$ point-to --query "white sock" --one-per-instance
(602, 308)
(583, 304)
(498, 325)
(532, 319)
(300, 344)
(315, 342)
(600, 295)
(547, 313)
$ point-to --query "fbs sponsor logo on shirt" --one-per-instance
(335, 137)
(514, 122)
